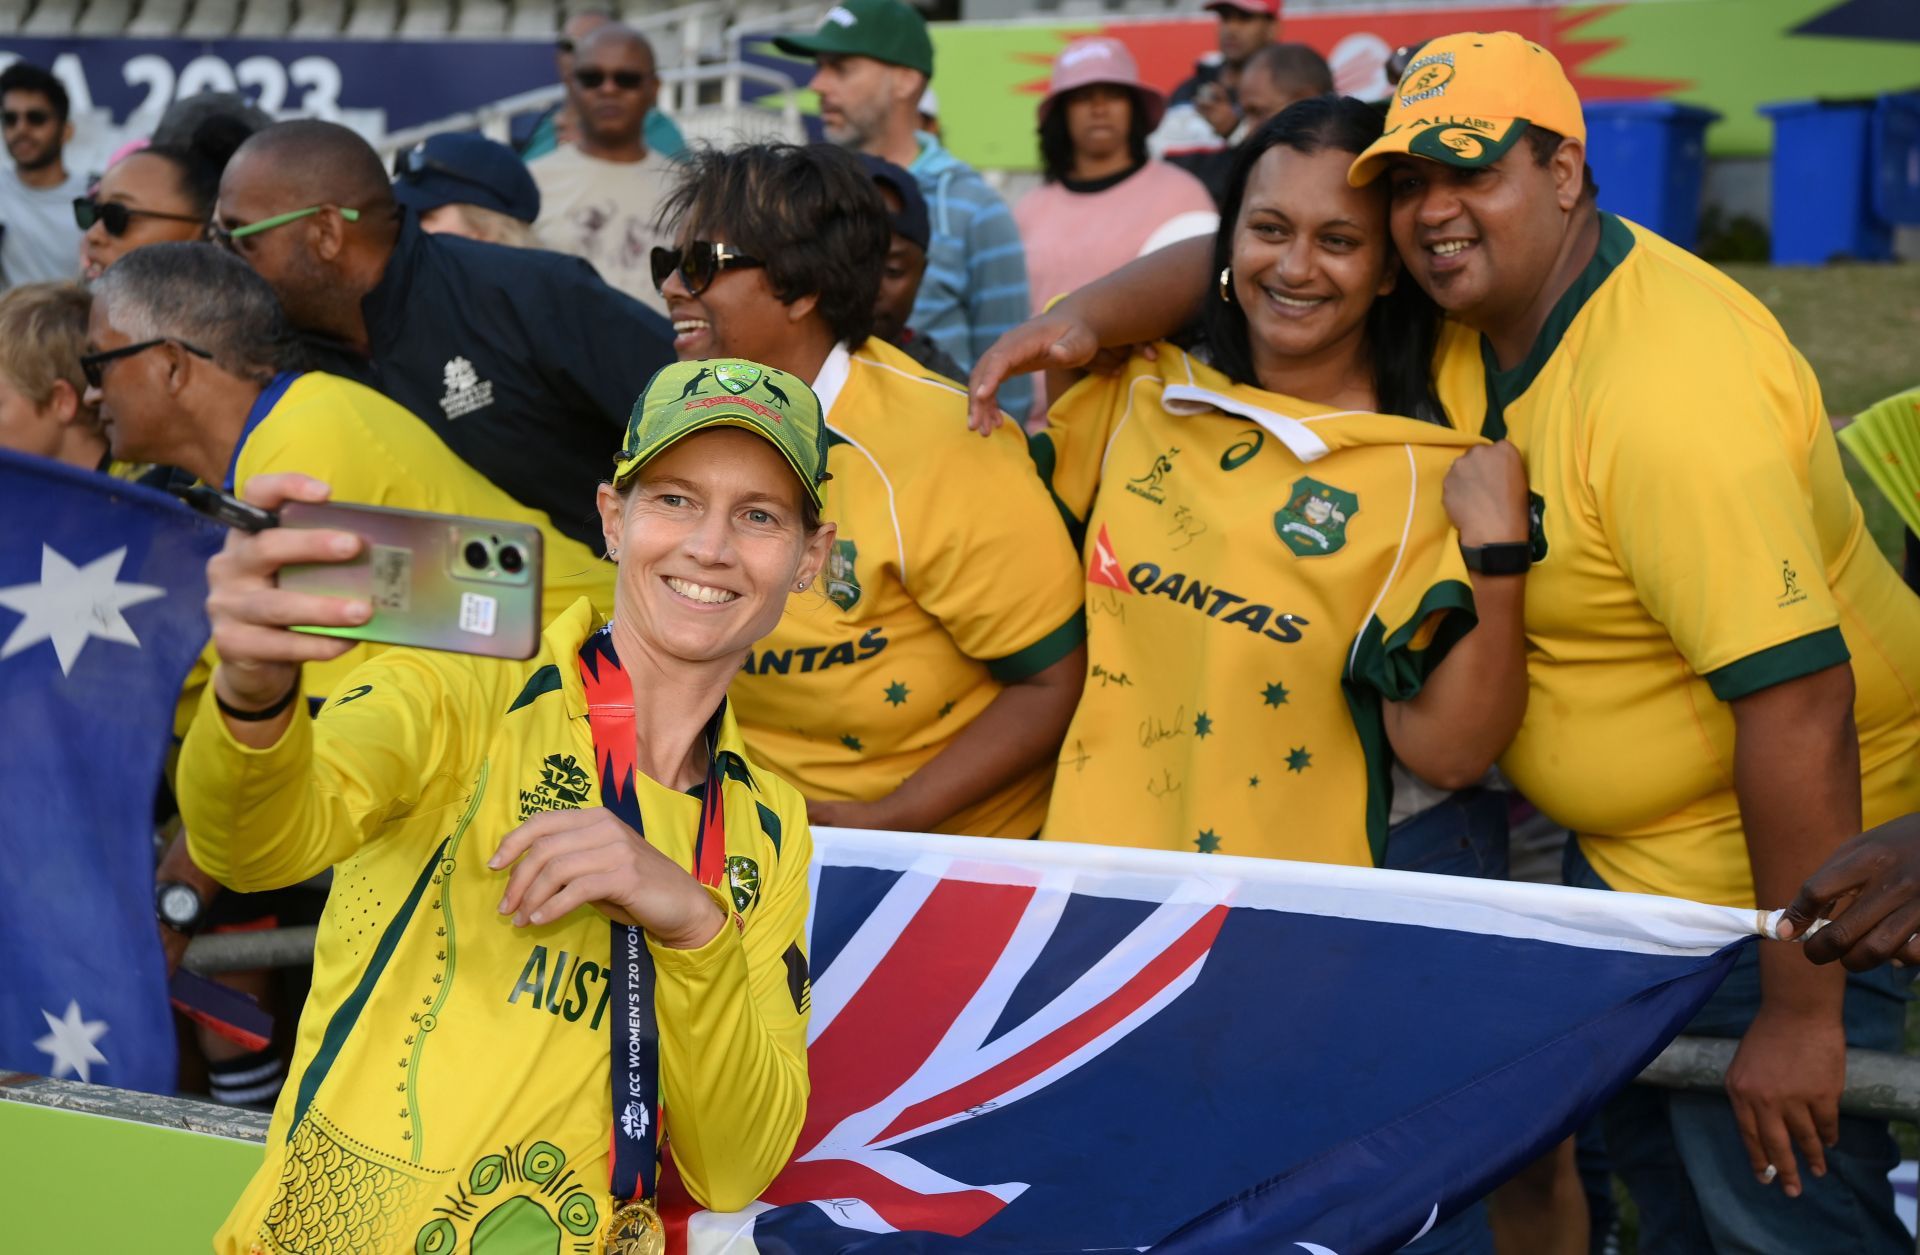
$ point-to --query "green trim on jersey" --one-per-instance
(1042, 654)
(340, 1027)
(1045, 460)
(1789, 661)
(1376, 674)
(545, 680)
(1504, 387)
(1391, 666)
(1370, 728)
(442, 882)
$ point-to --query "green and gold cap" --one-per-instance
(687, 397)
(1465, 99)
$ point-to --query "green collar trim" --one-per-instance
(1504, 387)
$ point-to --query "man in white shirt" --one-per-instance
(39, 238)
(600, 196)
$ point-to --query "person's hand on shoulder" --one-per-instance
(1053, 340)
(252, 618)
(1869, 891)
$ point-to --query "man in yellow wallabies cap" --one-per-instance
(1722, 666)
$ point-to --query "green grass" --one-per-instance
(1858, 325)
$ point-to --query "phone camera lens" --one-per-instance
(510, 560)
(476, 555)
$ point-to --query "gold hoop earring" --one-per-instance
(1226, 280)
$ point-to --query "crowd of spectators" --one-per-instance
(1235, 320)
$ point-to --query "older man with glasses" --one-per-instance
(600, 197)
(38, 239)
(523, 361)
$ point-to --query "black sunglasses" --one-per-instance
(94, 365)
(698, 263)
(11, 118)
(116, 217)
(625, 80)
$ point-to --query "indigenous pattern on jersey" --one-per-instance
(1261, 574)
(451, 1082)
(950, 577)
(1695, 542)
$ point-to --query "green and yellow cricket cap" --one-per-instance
(885, 30)
(1466, 99)
(687, 397)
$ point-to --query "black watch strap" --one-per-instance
(179, 906)
(1512, 557)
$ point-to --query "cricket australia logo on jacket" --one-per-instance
(466, 391)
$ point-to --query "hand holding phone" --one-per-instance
(251, 616)
(391, 576)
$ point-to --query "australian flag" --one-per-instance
(1033, 1048)
(102, 585)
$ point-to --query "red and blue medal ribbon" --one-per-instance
(635, 1158)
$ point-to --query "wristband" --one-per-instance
(258, 716)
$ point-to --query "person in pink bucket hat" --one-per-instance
(1104, 202)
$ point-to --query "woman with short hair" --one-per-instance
(926, 686)
(567, 923)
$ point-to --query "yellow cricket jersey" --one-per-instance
(1697, 542)
(1261, 574)
(951, 577)
(451, 1082)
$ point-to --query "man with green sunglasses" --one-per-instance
(523, 361)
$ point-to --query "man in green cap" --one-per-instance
(875, 60)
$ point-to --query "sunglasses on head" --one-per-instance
(116, 217)
(11, 118)
(698, 263)
(625, 80)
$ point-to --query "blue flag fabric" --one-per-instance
(1027, 1047)
(102, 588)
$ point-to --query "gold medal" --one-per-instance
(636, 1230)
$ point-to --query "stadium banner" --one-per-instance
(102, 586)
(1032, 1047)
(1727, 55)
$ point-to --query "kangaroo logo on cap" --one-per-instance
(736, 377)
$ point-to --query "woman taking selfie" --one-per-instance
(564, 898)
(1279, 603)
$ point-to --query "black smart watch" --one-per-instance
(179, 906)
(1512, 557)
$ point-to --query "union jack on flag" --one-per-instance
(1029, 1047)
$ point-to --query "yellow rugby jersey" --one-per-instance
(1697, 541)
(1261, 574)
(451, 1085)
(951, 577)
(372, 451)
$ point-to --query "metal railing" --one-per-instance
(680, 99)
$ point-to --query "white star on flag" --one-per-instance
(71, 605)
(70, 1044)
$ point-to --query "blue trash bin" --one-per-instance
(1650, 159)
(1822, 183)
(1896, 159)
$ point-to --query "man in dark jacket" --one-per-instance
(523, 361)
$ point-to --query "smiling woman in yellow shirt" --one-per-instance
(926, 686)
(1278, 600)
(567, 928)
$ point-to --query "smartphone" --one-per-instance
(436, 581)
